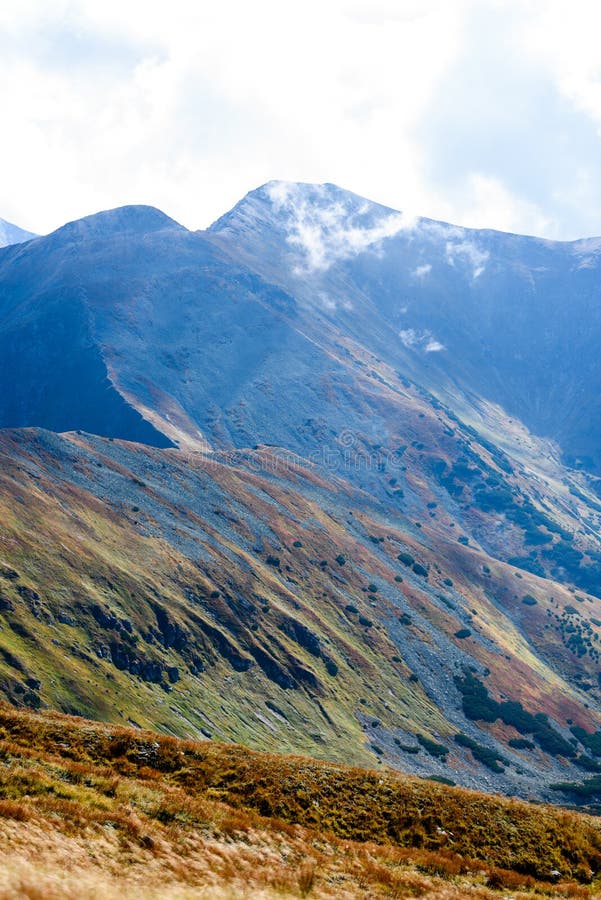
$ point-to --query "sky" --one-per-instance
(483, 113)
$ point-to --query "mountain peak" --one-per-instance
(124, 220)
(278, 201)
(12, 234)
(315, 223)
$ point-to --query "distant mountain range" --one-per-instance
(334, 465)
(12, 234)
(316, 275)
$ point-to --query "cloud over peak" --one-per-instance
(327, 225)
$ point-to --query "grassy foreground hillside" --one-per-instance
(88, 810)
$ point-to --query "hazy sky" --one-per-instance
(479, 112)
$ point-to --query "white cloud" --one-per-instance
(210, 100)
(189, 105)
(327, 230)
(415, 339)
(409, 337)
(458, 247)
(513, 135)
(468, 251)
(422, 271)
(331, 304)
(568, 47)
(491, 204)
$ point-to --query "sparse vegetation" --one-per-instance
(432, 747)
(478, 704)
(485, 755)
(520, 744)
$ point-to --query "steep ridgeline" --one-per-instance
(329, 483)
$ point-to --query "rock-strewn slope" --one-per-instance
(255, 597)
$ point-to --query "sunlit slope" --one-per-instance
(89, 811)
(259, 598)
(12, 234)
(474, 315)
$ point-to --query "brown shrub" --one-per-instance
(306, 878)
(15, 809)
(499, 879)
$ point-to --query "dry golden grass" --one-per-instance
(48, 864)
(88, 811)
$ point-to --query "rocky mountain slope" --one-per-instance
(292, 503)
(148, 585)
(282, 311)
(471, 313)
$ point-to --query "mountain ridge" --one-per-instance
(276, 187)
(122, 220)
(463, 294)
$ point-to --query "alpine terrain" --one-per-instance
(321, 479)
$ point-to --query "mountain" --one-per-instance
(319, 276)
(332, 464)
(150, 324)
(146, 585)
(12, 234)
(510, 319)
